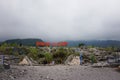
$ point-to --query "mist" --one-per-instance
(59, 20)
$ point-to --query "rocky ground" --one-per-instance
(59, 72)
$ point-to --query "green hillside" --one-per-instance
(25, 42)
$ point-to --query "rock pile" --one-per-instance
(75, 61)
(101, 64)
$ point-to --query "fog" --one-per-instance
(59, 20)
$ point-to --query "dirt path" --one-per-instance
(61, 72)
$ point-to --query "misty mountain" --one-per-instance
(25, 42)
(97, 43)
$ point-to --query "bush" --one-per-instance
(81, 44)
(48, 57)
(8, 51)
(41, 60)
(77, 54)
(33, 53)
(60, 55)
(3, 47)
(93, 58)
(23, 51)
(41, 54)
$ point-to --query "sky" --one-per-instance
(59, 20)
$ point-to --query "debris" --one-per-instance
(6, 66)
(100, 64)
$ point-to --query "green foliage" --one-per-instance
(48, 57)
(111, 49)
(8, 51)
(41, 61)
(33, 53)
(77, 54)
(41, 54)
(7, 48)
(13, 45)
(24, 42)
(93, 58)
(91, 46)
(60, 55)
(70, 51)
(81, 44)
(3, 47)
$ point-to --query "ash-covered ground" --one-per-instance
(59, 72)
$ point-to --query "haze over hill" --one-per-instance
(71, 43)
(96, 43)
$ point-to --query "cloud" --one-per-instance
(60, 19)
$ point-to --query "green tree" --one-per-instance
(81, 44)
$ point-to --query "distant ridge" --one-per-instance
(71, 43)
(96, 43)
(25, 42)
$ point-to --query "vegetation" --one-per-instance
(48, 57)
(96, 43)
(33, 53)
(93, 58)
(24, 42)
(3, 47)
(41, 55)
(60, 55)
(81, 44)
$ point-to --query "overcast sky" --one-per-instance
(58, 20)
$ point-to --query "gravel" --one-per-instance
(59, 72)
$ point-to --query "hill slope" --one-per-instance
(25, 42)
(99, 43)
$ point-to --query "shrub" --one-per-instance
(81, 44)
(93, 58)
(33, 53)
(60, 55)
(77, 54)
(48, 57)
(41, 60)
(41, 54)
(3, 47)
(23, 51)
